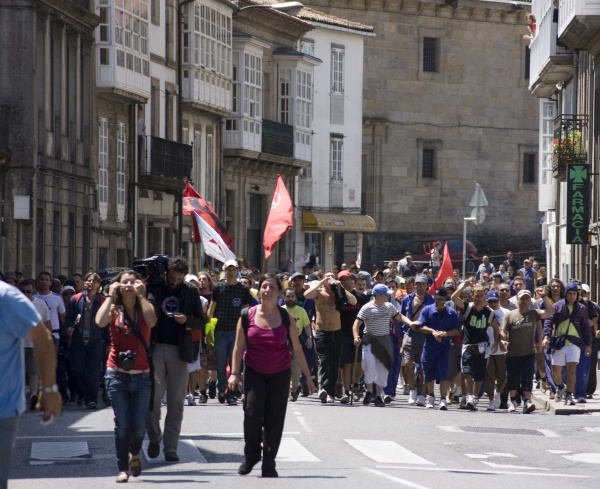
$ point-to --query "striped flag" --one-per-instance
(212, 242)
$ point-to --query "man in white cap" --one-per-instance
(227, 301)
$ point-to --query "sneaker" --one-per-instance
(511, 407)
(528, 406)
(323, 396)
(221, 397)
(345, 399)
(91, 405)
(330, 399)
(412, 397)
(491, 405)
(387, 399)
(153, 449)
(304, 390)
(379, 402)
(406, 390)
(430, 404)
(581, 400)
(212, 389)
(589, 396)
(202, 398)
(294, 396)
(231, 400)
(420, 400)
(443, 405)
(463, 403)
(569, 401)
(497, 400)
(471, 404)
(190, 400)
(368, 398)
(560, 394)
(339, 390)
(33, 400)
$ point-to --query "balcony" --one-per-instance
(569, 144)
(163, 162)
(549, 63)
(277, 138)
(579, 24)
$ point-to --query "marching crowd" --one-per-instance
(357, 336)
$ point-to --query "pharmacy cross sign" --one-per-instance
(578, 203)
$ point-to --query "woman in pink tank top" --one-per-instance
(264, 347)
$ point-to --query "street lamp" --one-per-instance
(464, 256)
(290, 8)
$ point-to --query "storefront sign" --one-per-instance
(578, 203)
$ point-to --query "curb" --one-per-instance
(544, 403)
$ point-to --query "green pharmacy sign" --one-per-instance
(578, 203)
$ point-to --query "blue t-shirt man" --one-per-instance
(17, 318)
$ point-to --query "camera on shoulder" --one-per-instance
(127, 359)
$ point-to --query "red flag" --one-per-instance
(281, 217)
(192, 202)
(444, 272)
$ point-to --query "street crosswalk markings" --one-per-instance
(511, 467)
(588, 458)
(186, 449)
(47, 452)
(387, 452)
(489, 455)
(291, 450)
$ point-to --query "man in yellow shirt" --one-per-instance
(302, 323)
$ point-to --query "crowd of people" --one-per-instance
(231, 333)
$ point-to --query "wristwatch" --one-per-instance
(53, 389)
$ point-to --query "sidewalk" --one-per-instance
(543, 402)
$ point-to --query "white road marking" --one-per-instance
(187, 451)
(588, 458)
(456, 429)
(303, 422)
(512, 467)
(559, 452)
(387, 452)
(291, 450)
(476, 471)
(404, 482)
(490, 454)
(44, 453)
(593, 429)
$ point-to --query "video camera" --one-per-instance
(153, 268)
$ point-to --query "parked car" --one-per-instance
(420, 249)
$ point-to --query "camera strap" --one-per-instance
(135, 329)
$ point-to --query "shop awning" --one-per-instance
(325, 221)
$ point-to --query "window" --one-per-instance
(428, 163)
(131, 34)
(103, 168)
(209, 167)
(121, 152)
(253, 88)
(155, 11)
(337, 70)
(304, 97)
(307, 47)
(527, 61)
(285, 95)
(306, 173)
(529, 168)
(430, 54)
(336, 159)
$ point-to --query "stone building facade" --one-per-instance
(446, 105)
(47, 128)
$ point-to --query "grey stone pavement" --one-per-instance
(542, 401)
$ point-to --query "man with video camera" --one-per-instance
(179, 310)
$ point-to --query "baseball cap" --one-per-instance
(344, 273)
(380, 289)
(190, 278)
(441, 293)
(420, 279)
(296, 275)
(8, 275)
(66, 288)
(524, 292)
(230, 263)
(585, 288)
(492, 295)
(450, 287)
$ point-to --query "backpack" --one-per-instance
(285, 318)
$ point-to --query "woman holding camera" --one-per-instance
(128, 378)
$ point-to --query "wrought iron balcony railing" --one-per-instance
(569, 145)
(277, 138)
(166, 158)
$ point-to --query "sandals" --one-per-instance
(135, 466)
(122, 477)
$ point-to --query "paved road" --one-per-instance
(328, 446)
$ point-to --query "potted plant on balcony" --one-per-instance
(568, 148)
